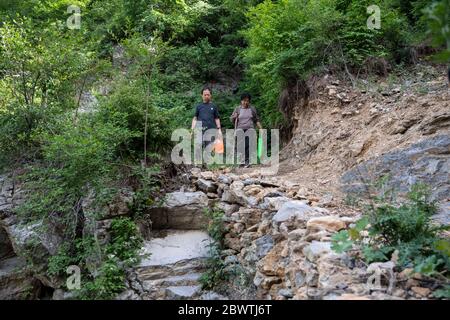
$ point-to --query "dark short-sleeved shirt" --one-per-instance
(207, 113)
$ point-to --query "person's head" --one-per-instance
(246, 99)
(206, 94)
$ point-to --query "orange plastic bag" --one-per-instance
(218, 146)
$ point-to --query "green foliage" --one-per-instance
(289, 40)
(39, 77)
(69, 254)
(341, 241)
(443, 293)
(216, 272)
(437, 16)
(107, 284)
(404, 228)
(216, 227)
(125, 241)
(78, 157)
(147, 188)
(105, 278)
(406, 222)
(121, 252)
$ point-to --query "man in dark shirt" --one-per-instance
(208, 114)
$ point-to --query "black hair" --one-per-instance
(206, 88)
(246, 95)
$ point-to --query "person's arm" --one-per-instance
(194, 120)
(234, 115)
(256, 119)
(217, 119)
(218, 124)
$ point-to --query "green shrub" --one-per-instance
(125, 241)
(39, 77)
(120, 253)
(103, 267)
(78, 157)
(109, 282)
(216, 272)
(126, 108)
(404, 228)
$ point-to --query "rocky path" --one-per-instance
(278, 244)
(174, 266)
(278, 238)
(174, 259)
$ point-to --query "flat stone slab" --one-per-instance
(182, 292)
(176, 246)
(182, 280)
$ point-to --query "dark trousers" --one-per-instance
(246, 154)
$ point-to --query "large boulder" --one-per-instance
(427, 162)
(36, 240)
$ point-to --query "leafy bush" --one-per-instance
(105, 278)
(78, 157)
(107, 284)
(404, 228)
(39, 77)
(437, 17)
(125, 241)
(126, 108)
(290, 40)
(216, 271)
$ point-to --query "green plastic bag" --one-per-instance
(260, 142)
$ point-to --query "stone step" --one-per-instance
(175, 246)
(178, 269)
(182, 292)
(175, 253)
(190, 279)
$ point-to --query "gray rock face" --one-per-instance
(41, 236)
(120, 205)
(443, 214)
(6, 249)
(15, 283)
(263, 246)
(10, 195)
(211, 295)
(88, 102)
(274, 203)
(32, 237)
(427, 162)
(181, 210)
